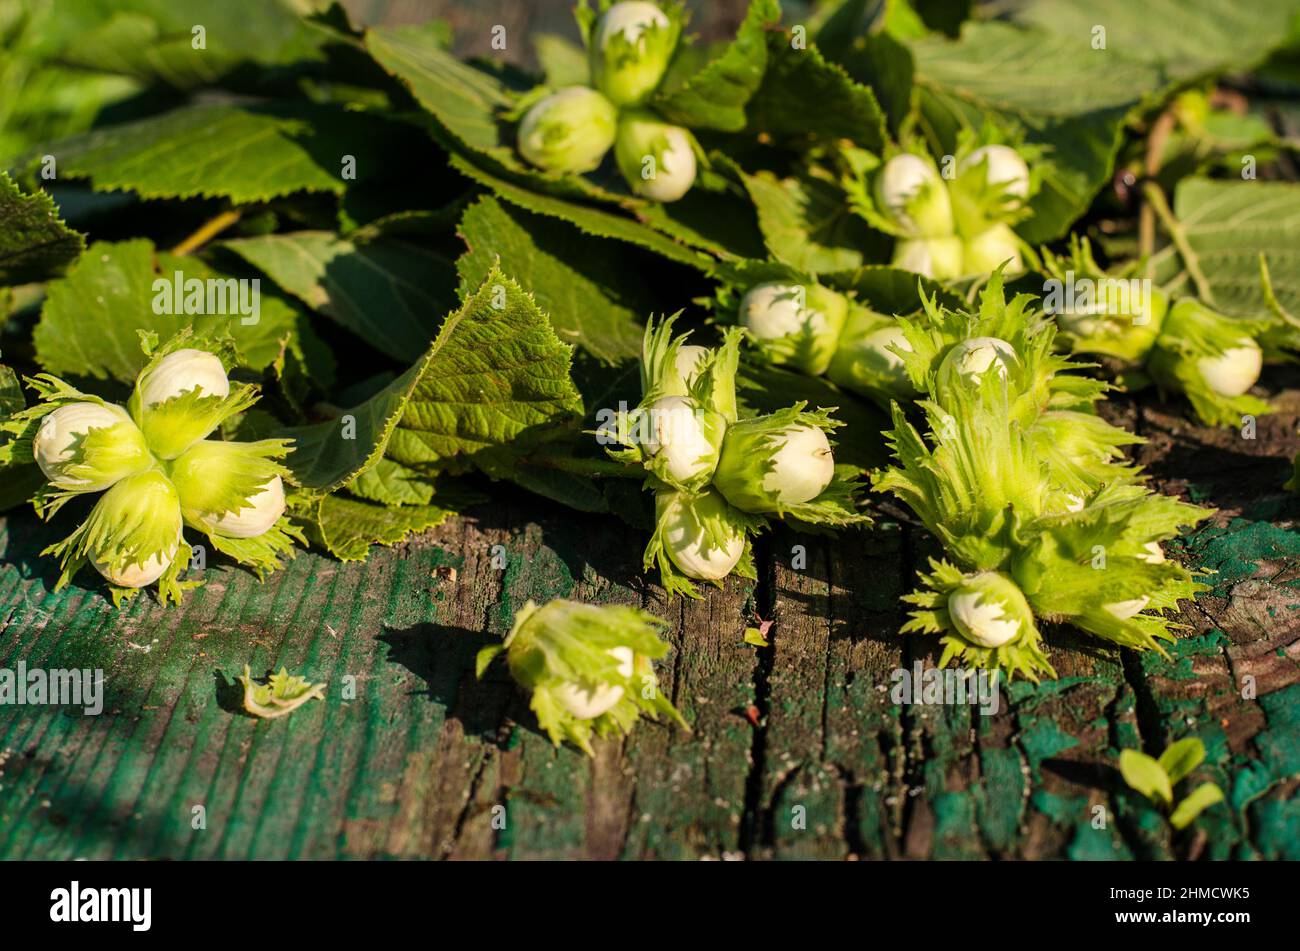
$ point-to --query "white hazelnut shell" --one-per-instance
(802, 466)
(589, 704)
(1234, 371)
(631, 18)
(981, 619)
(181, 372)
(687, 551)
(1004, 166)
(677, 431)
(138, 575)
(264, 511)
(675, 173)
(59, 430)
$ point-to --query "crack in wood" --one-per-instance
(754, 819)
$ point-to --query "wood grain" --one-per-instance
(796, 751)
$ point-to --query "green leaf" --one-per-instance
(464, 99)
(34, 244)
(807, 224)
(91, 319)
(946, 16)
(1013, 76)
(1185, 38)
(1228, 225)
(150, 39)
(11, 393)
(485, 657)
(494, 384)
(1179, 759)
(470, 106)
(18, 484)
(588, 219)
(1197, 801)
(46, 102)
(391, 293)
(327, 456)
(714, 96)
(593, 292)
(244, 153)
(855, 35)
(563, 63)
(1144, 775)
(887, 66)
(346, 528)
(716, 222)
(389, 483)
(568, 489)
(723, 223)
(805, 95)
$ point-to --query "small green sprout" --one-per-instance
(1155, 779)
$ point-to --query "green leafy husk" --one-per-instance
(565, 646)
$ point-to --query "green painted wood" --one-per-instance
(426, 761)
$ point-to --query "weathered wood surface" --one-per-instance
(797, 750)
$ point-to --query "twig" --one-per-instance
(1146, 216)
(1156, 199)
(207, 232)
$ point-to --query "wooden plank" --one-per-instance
(428, 762)
(1234, 679)
(832, 783)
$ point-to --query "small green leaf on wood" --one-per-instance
(1197, 801)
(485, 657)
(1146, 776)
(282, 694)
(1179, 759)
(757, 636)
